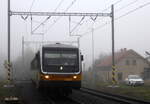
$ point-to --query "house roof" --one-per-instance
(118, 57)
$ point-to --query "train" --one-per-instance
(57, 67)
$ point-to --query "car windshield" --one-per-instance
(134, 77)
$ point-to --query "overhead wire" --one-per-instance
(115, 3)
(41, 23)
(94, 19)
(125, 6)
(31, 5)
(107, 8)
(129, 12)
(125, 14)
(24, 18)
(79, 23)
(139, 7)
(60, 17)
(129, 4)
(49, 16)
(58, 5)
(81, 20)
(72, 3)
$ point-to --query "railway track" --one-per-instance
(83, 96)
(62, 100)
(56, 99)
(32, 96)
(113, 97)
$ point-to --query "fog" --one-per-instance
(131, 31)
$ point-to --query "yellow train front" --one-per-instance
(57, 66)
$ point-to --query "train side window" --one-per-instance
(38, 60)
(82, 58)
(34, 64)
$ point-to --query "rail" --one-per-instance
(115, 97)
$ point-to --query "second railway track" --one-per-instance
(114, 97)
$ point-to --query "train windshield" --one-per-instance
(63, 58)
(60, 60)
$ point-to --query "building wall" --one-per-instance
(124, 68)
(131, 68)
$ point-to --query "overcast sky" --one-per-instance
(131, 31)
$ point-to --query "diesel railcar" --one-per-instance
(57, 66)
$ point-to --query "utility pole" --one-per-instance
(23, 49)
(78, 42)
(94, 71)
(92, 48)
(113, 46)
(9, 60)
(8, 31)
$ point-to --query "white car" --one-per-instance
(134, 80)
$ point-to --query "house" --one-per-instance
(127, 62)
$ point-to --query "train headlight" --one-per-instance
(46, 76)
(74, 77)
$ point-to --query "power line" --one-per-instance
(79, 23)
(141, 6)
(133, 2)
(60, 17)
(70, 5)
(58, 5)
(94, 19)
(115, 3)
(24, 18)
(48, 16)
(101, 26)
(41, 24)
(32, 5)
(118, 11)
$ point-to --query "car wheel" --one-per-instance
(129, 83)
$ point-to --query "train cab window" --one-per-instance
(51, 55)
(60, 58)
(53, 59)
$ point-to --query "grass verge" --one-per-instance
(138, 92)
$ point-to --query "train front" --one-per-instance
(61, 67)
